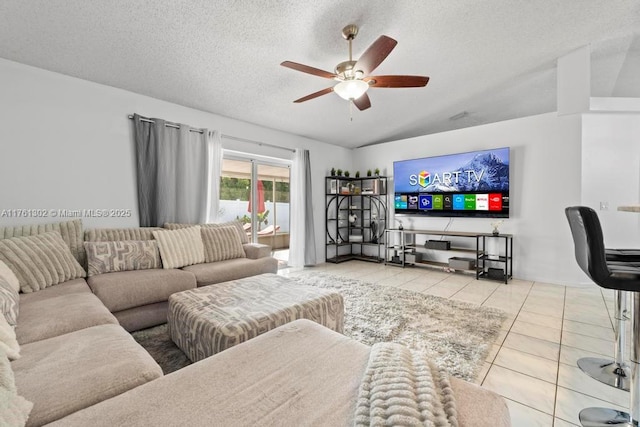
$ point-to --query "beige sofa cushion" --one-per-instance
(256, 250)
(143, 317)
(64, 374)
(237, 224)
(117, 234)
(299, 373)
(223, 271)
(126, 255)
(181, 247)
(59, 310)
(71, 232)
(127, 289)
(40, 261)
(14, 409)
(221, 243)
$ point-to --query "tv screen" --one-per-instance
(473, 184)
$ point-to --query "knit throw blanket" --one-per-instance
(401, 388)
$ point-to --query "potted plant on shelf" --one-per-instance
(377, 172)
(339, 172)
(368, 172)
(357, 174)
(346, 173)
(496, 225)
(333, 171)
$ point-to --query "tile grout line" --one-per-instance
(555, 397)
(506, 335)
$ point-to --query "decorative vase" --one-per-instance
(495, 231)
(374, 232)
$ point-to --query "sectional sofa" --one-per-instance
(75, 362)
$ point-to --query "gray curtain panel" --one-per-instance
(310, 237)
(172, 170)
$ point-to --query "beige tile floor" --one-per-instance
(533, 361)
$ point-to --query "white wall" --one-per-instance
(66, 143)
(611, 174)
(545, 178)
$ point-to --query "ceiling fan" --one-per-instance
(354, 77)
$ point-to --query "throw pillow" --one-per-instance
(116, 234)
(71, 232)
(221, 243)
(243, 235)
(179, 248)
(8, 340)
(40, 261)
(15, 409)
(9, 276)
(126, 255)
(8, 302)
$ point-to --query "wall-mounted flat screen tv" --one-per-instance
(473, 184)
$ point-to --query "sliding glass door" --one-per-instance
(256, 192)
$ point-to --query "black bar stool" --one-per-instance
(591, 256)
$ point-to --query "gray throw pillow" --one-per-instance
(126, 255)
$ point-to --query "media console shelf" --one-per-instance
(402, 248)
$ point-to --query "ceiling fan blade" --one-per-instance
(315, 95)
(363, 102)
(375, 54)
(309, 70)
(397, 81)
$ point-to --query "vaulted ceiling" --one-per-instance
(488, 60)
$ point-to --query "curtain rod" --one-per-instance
(234, 138)
(167, 124)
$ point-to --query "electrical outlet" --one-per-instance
(604, 206)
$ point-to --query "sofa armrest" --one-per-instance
(256, 250)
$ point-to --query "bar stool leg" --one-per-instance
(603, 417)
(612, 372)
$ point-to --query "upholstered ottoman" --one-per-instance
(208, 320)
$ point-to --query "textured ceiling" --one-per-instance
(488, 60)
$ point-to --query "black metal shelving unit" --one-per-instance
(494, 266)
(401, 250)
(356, 218)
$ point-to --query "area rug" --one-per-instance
(454, 335)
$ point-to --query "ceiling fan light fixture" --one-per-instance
(351, 89)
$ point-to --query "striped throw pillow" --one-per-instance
(40, 261)
(179, 248)
(221, 243)
(8, 302)
(71, 232)
(9, 276)
(126, 255)
(243, 235)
